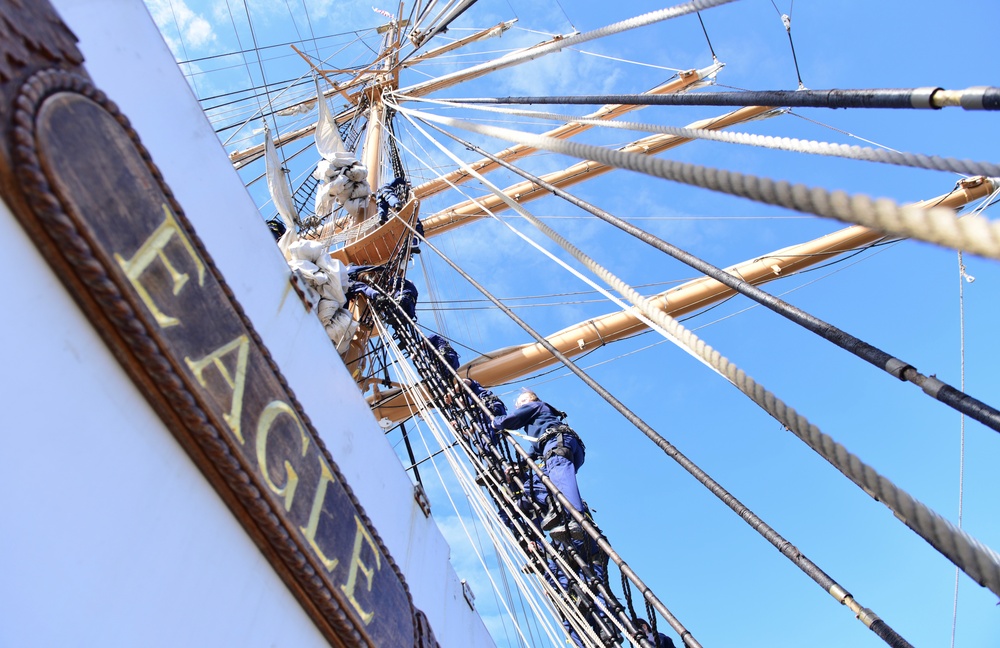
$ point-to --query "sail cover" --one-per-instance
(328, 142)
(277, 184)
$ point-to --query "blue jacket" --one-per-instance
(445, 349)
(534, 417)
(490, 400)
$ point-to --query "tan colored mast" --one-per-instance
(522, 192)
(514, 362)
(499, 28)
(519, 361)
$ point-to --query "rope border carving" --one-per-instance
(173, 393)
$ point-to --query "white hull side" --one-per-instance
(115, 537)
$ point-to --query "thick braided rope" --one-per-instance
(977, 560)
(626, 571)
(532, 53)
(791, 144)
(937, 225)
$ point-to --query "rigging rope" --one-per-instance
(791, 144)
(932, 386)
(933, 225)
(962, 277)
(676, 331)
(442, 395)
(974, 98)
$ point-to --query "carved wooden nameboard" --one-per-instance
(77, 177)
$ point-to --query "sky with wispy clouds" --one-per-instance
(725, 583)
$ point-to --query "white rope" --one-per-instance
(791, 144)
(618, 285)
(977, 560)
(936, 225)
(532, 53)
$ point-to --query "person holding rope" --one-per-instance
(562, 453)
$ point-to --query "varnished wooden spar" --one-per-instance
(515, 362)
(582, 171)
(570, 129)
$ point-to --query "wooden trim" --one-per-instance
(79, 180)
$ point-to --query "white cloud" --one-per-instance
(184, 29)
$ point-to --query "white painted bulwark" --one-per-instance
(112, 536)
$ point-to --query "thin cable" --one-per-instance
(707, 39)
(933, 225)
(941, 391)
(962, 278)
(977, 560)
(786, 20)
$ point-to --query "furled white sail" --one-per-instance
(328, 141)
(343, 180)
(281, 194)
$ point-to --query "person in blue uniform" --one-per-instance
(445, 349)
(587, 550)
(402, 291)
(562, 452)
(390, 196)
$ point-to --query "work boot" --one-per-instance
(551, 519)
(559, 534)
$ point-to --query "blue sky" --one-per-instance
(724, 582)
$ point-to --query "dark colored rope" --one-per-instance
(937, 389)
(786, 548)
(982, 99)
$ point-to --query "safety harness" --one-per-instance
(559, 431)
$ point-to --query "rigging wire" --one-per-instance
(707, 39)
(359, 33)
(786, 21)
(260, 64)
(933, 387)
(180, 36)
(933, 225)
(962, 278)
(796, 145)
(976, 559)
(312, 33)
